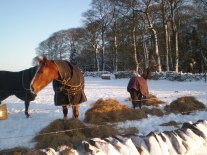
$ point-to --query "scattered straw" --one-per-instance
(152, 100)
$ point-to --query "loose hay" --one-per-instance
(151, 100)
(111, 110)
(184, 105)
(108, 105)
(59, 133)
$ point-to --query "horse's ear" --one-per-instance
(39, 59)
(44, 58)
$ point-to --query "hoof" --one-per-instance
(75, 116)
(65, 117)
(27, 115)
(140, 105)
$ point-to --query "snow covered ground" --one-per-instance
(19, 131)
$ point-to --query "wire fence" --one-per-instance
(102, 123)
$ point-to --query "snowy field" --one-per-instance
(19, 131)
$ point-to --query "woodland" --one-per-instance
(120, 35)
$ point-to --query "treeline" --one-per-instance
(165, 35)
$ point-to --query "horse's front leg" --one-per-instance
(140, 100)
(26, 104)
(65, 112)
(75, 111)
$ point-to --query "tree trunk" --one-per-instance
(174, 34)
(156, 46)
(103, 48)
(115, 40)
(116, 52)
(95, 50)
(134, 41)
(165, 29)
(146, 52)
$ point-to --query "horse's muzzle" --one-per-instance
(32, 90)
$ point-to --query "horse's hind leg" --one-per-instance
(75, 111)
(134, 98)
(65, 112)
(140, 100)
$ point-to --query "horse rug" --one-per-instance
(17, 83)
(138, 83)
(69, 88)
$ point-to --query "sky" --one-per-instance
(26, 23)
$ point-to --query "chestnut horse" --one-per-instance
(68, 83)
(138, 88)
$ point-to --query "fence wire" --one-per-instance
(102, 123)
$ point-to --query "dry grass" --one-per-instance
(108, 105)
(184, 105)
(70, 138)
(153, 111)
(128, 131)
(111, 110)
(170, 123)
(151, 100)
(14, 151)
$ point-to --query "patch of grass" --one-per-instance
(153, 111)
(128, 131)
(170, 123)
(185, 104)
(14, 151)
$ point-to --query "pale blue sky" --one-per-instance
(25, 23)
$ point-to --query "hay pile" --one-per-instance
(110, 110)
(152, 100)
(184, 105)
(61, 132)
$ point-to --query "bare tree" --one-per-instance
(154, 32)
(102, 14)
(165, 30)
(173, 6)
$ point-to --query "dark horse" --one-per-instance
(18, 84)
(138, 88)
(68, 83)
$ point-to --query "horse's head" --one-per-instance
(46, 72)
(147, 74)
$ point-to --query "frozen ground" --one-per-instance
(19, 131)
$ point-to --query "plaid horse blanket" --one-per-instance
(69, 88)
